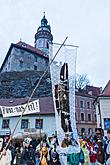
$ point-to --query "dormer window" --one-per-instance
(23, 45)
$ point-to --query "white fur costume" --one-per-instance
(5, 159)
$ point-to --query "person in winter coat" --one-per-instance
(106, 147)
(55, 159)
(100, 153)
(92, 147)
(17, 157)
(28, 154)
(108, 153)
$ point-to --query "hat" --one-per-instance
(99, 141)
(55, 155)
(83, 143)
(27, 140)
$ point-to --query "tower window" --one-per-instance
(40, 43)
(35, 67)
(47, 45)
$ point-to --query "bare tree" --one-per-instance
(81, 81)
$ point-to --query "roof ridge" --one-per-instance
(31, 48)
(106, 90)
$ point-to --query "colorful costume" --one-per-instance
(44, 155)
(92, 153)
(86, 153)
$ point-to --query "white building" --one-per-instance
(36, 123)
(103, 109)
(20, 60)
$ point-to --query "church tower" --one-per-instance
(43, 36)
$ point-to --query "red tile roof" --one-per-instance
(95, 91)
(27, 47)
(31, 48)
(46, 103)
(106, 91)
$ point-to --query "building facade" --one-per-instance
(35, 123)
(21, 70)
(103, 109)
(85, 110)
(43, 37)
(22, 56)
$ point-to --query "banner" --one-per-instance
(63, 70)
(33, 107)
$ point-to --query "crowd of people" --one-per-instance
(88, 150)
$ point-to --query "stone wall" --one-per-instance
(21, 84)
(21, 60)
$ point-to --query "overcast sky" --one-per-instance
(85, 22)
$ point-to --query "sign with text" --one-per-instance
(32, 107)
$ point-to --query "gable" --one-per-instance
(22, 48)
(106, 91)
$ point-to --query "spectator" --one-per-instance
(107, 154)
(28, 154)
